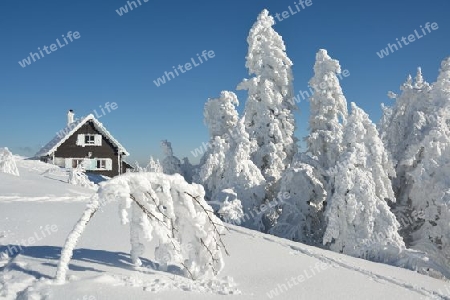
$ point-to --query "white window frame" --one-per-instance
(104, 163)
(89, 139)
(101, 164)
(76, 162)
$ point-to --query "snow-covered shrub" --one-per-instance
(301, 213)
(77, 176)
(228, 207)
(165, 210)
(7, 162)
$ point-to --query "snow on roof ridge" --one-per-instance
(70, 129)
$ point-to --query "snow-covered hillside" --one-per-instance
(39, 209)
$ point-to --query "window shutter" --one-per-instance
(109, 164)
(80, 140)
(68, 163)
(87, 164)
(98, 140)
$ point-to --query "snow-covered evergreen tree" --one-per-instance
(360, 222)
(403, 128)
(7, 162)
(227, 164)
(243, 176)
(154, 166)
(213, 166)
(220, 118)
(328, 110)
(221, 115)
(306, 181)
(428, 176)
(171, 164)
(269, 108)
(407, 122)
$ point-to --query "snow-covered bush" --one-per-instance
(165, 210)
(77, 176)
(301, 213)
(228, 207)
(7, 162)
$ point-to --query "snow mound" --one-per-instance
(7, 162)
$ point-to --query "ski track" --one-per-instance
(6, 199)
(428, 295)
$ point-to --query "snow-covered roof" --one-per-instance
(70, 129)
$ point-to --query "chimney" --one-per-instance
(70, 116)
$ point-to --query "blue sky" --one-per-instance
(117, 58)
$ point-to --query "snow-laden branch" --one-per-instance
(163, 209)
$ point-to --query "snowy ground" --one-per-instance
(40, 208)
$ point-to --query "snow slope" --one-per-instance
(38, 210)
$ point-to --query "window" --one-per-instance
(101, 164)
(89, 139)
(76, 162)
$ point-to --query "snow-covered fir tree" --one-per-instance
(428, 175)
(220, 117)
(406, 123)
(154, 166)
(359, 220)
(220, 114)
(170, 164)
(269, 108)
(328, 110)
(244, 177)
(306, 181)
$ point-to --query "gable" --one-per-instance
(71, 129)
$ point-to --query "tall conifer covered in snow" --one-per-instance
(428, 175)
(170, 164)
(301, 217)
(220, 118)
(269, 108)
(227, 165)
(328, 110)
(360, 222)
(243, 176)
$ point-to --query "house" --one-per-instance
(86, 142)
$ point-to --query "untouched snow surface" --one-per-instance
(38, 210)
